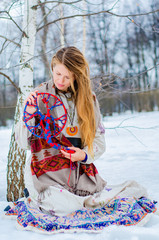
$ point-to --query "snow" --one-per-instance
(132, 153)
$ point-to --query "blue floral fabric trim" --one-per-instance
(119, 211)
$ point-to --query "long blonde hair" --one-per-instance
(76, 63)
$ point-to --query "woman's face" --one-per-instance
(62, 77)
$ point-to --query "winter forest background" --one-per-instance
(120, 44)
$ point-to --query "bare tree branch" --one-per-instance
(3, 46)
(46, 15)
(114, 4)
(127, 128)
(34, 57)
(95, 13)
(42, 3)
(10, 18)
(123, 79)
(3, 74)
(10, 40)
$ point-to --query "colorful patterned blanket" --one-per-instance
(119, 211)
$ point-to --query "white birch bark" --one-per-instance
(17, 156)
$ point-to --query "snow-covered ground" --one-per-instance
(132, 153)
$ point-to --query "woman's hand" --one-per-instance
(31, 99)
(79, 154)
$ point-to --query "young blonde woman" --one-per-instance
(54, 187)
(84, 131)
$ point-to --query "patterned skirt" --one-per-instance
(83, 214)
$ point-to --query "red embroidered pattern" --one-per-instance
(37, 144)
(54, 163)
(88, 169)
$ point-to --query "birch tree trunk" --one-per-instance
(17, 156)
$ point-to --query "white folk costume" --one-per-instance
(76, 199)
